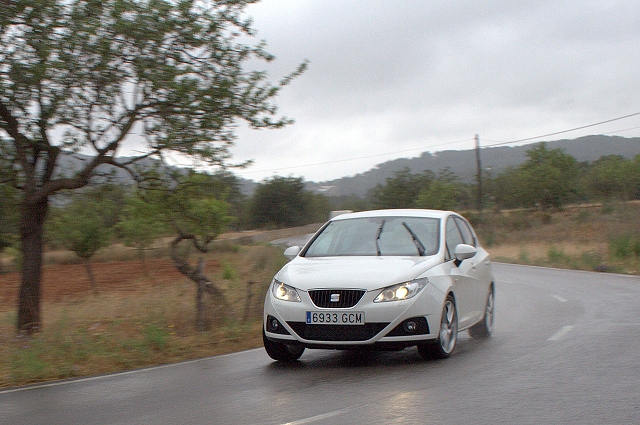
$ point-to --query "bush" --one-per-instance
(625, 245)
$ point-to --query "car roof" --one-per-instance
(394, 213)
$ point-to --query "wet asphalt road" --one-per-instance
(566, 349)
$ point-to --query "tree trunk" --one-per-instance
(32, 217)
(201, 314)
(196, 274)
(92, 280)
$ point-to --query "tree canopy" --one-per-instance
(102, 77)
(401, 190)
(280, 201)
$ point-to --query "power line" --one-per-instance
(449, 143)
(350, 159)
(564, 131)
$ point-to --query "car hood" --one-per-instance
(353, 272)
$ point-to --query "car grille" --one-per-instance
(346, 298)
(337, 332)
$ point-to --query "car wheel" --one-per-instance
(484, 328)
(281, 352)
(448, 335)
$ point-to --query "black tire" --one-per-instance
(483, 328)
(281, 352)
(442, 347)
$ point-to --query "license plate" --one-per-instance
(335, 318)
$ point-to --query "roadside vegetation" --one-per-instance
(140, 312)
(98, 276)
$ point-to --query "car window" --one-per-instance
(454, 238)
(465, 231)
(377, 236)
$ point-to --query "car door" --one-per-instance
(477, 267)
(464, 284)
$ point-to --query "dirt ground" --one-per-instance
(66, 282)
(62, 282)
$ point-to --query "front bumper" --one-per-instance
(388, 325)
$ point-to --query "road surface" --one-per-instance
(566, 349)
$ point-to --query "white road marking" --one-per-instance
(318, 417)
(72, 381)
(559, 298)
(562, 332)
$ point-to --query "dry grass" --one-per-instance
(144, 312)
(581, 237)
(137, 319)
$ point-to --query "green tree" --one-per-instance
(318, 208)
(549, 177)
(194, 207)
(401, 190)
(79, 229)
(612, 177)
(279, 201)
(140, 224)
(507, 189)
(107, 201)
(93, 75)
(441, 194)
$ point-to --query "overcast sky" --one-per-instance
(392, 79)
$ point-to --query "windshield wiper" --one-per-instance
(416, 239)
(378, 236)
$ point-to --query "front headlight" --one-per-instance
(284, 292)
(402, 291)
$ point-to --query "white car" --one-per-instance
(385, 279)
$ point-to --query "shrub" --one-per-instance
(625, 245)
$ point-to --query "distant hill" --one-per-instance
(463, 163)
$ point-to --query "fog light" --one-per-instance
(274, 324)
(410, 326)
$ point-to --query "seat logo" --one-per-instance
(335, 298)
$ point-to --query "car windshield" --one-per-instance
(398, 236)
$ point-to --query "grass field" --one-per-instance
(142, 313)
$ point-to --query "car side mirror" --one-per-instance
(292, 252)
(463, 252)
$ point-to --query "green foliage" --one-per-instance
(401, 190)
(524, 256)
(557, 256)
(188, 204)
(156, 337)
(203, 217)
(183, 61)
(228, 271)
(625, 245)
(283, 201)
(318, 208)
(441, 193)
(78, 228)
(506, 189)
(107, 200)
(591, 260)
(612, 177)
(549, 177)
(141, 223)
(87, 74)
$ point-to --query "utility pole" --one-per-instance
(479, 173)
